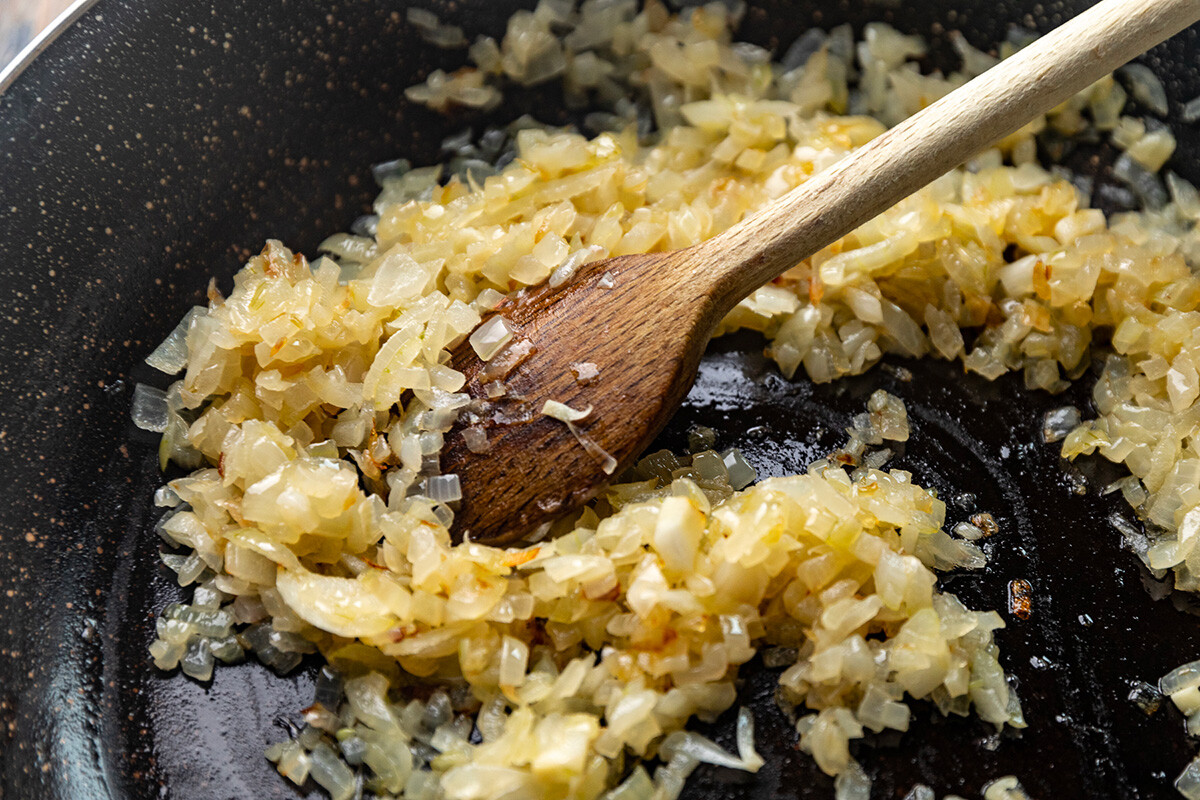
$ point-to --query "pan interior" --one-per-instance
(156, 143)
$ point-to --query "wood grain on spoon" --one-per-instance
(644, 320)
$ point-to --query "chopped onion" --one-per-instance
(569, 416)
(852, 784)
(316, 399)
(751, 760)
(1058, 423)
(433, 31)
(476, 439)
(329, 771)
(741, 474)
(584, 371)
(490, 337)
(1146, 88)
(1191, 110)
(149, 408)
(563, 412)
(172, 355)
(197, 662)
(513, 657)
(1184, 195)
(1006, 788)
(1188, 782)
(920, 791)
(487, 299)
(1180, 679)
(700, 749)
(1144, 183)
(443, 488)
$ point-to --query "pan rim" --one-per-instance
(13, 70)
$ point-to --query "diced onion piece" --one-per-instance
(1191, 111)
(342, 606)
(172, 355)
(1188, 782)
(852, 784)
(291, 760)
(1153, 150)
(563, 412)
(584, 371)
(889, 417)
(350, 248)
(476, 439)
(398, 278)
(751, 760)
(741, 474)
(1006, 788)
(514, 655)
(1180, 679)
(149, 408)
(1145, 87)
(433, 31)
(702, 750)
(677, 533)
(487, 300)
(1058, 423)
(329, 771)
(443, 488)
(567, 269)
(490, 337)
(568, 415)
(197, 662)
(1184, 195)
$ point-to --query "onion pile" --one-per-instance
(316, 398)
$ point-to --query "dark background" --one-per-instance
(21, 20)
(156, 143)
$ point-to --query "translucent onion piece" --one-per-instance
(852, 784)
(1180, 679)
(1145, 87)
(172, 355)
(1006, 788)
(1058, 423)
(490, 337)
(1188, 782)
(329, 771)
(149, 408)
(751, 760)
(741, 474)
(701, 749)
(443, 489)
(568, 415)
(342, 606)
(563, 412)
(1191, 110)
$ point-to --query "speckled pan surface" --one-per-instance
(155, 143)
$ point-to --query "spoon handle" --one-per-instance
(930, 143)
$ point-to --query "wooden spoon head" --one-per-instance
(637, 321)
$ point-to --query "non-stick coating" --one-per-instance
(155, 143)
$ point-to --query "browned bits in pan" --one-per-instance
(1020, 598)
(986, 523)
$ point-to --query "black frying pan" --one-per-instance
(154, 143)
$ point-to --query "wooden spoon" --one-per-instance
(644, 320)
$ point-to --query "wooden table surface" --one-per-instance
(21, 20)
